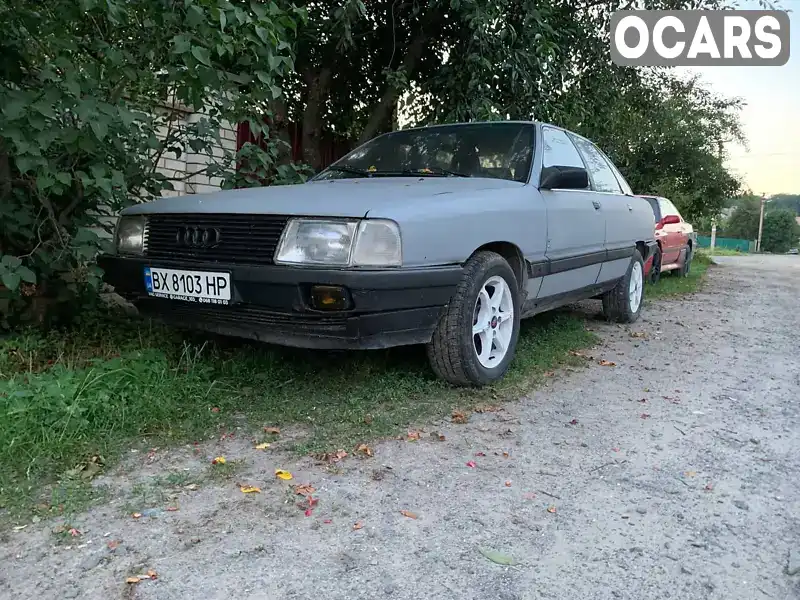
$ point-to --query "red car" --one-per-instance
(675, 237)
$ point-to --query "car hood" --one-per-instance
(333, 197)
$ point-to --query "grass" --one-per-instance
(111, 382)
(723, 252)
(670, 284)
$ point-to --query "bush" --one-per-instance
(89, 92)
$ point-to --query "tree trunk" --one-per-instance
(318, 84)
(384, 109)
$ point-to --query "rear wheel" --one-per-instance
(475, 340)
(687, 263)
(623, 304)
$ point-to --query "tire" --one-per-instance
(687, 263)
(655, 269)
(620, 304)
(454, 349)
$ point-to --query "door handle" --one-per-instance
(596, 204)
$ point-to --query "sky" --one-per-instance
(771, 118)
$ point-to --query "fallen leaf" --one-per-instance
(578, 354)
(152, 574)
(471, 464)
(459, 417)
(551, 509)
(480, 454)
(74, 532)
(304, 489)
(638, 334)
(643, 400)
(214, 409)
(709, 486)
(136, 515)
(413, 436)
(573, 422)
(505, 454)
(358, 525)
(438, 436)
(529, 496)
(20, 527)
(644, 416)
(219, 460)
(191, 487)
(281, 474)
(132, 580)
(368, 419)
(308, 512)
(498, 557)
(508, 484)
(274, 430)
(172, 508)
(365, 449)
(262, 446)
(690, 473)
(327, 521)
(340, 454)
(408, 513)
(112, 544)
(489, 408)
(249, 489)
(615, 449)
(549, 373)
(606, 363)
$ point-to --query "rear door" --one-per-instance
(575, 223)
(616, 202)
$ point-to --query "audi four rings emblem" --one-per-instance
(198, 237)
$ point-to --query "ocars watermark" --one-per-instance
(700, 37)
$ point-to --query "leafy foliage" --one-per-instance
(93, 95)
(781, 231)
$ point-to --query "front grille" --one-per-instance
(190, 313)
(244, 239)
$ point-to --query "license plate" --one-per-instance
(192, 286)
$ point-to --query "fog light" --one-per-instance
(329, 297)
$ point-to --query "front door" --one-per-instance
(575, 223)
(672, 234)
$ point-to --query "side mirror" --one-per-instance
(568, 178)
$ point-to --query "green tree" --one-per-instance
(743, 222)
(89, 92)
(780, 231)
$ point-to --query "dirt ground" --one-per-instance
(674, 474)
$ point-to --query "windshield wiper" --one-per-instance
(351, 170)
(435, 171)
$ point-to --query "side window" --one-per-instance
(558, 150)
(599, 170)
(626, 189)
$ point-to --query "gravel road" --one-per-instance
(674, 474)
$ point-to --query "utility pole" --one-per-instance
(761, 221)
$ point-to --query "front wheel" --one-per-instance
(475, 340)
(655, 269)
(623, 304)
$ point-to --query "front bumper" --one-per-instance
(273, 303)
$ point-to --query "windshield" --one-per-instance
(499, 150)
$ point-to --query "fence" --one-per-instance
(704, 241)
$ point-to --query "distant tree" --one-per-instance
(780, 231)
(743, 222)
(788, 201)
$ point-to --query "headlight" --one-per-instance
(130, 235)
(366, 243)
